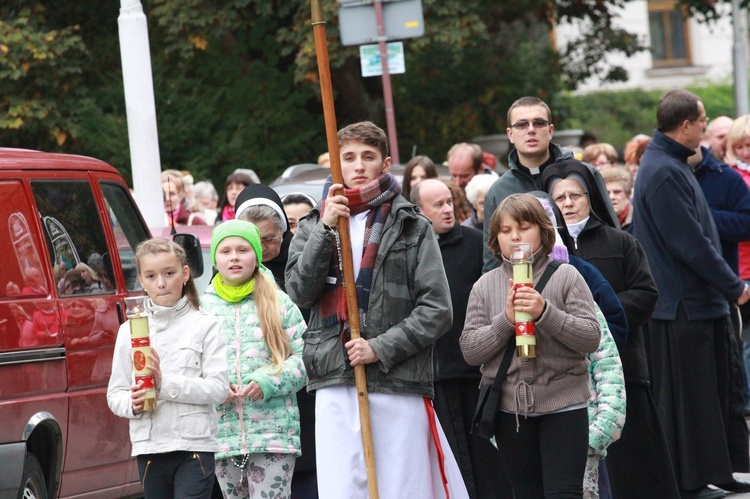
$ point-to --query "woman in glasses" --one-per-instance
(641, 450)
(601, 155)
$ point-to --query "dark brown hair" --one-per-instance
(528, 102)
(461, 210)
(429, 170)
(233, 178)
(367, 133)
(674, 108)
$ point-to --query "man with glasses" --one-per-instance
(530, 131)
(689, 328)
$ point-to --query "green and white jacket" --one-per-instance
(271, 425)
(608, 400)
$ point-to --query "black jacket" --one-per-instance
(622, 261)
(673, 222)
(277, 266)
(461, 249)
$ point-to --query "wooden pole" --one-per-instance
(326, 90)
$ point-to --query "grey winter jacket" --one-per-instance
(409, 305)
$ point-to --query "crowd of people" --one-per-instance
(637, 384)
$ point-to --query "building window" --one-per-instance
(669, 34)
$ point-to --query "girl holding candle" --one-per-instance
(542, 428)
(175, 442)
(259, 432)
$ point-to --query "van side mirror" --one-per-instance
(192, 246)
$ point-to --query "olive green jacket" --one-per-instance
(409, 305)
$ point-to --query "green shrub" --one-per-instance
(616, 116)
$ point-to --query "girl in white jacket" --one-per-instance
(175, 442)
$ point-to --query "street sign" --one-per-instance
(370, 57)
(358, 24)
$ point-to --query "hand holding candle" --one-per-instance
(522, 256)
(143, 358)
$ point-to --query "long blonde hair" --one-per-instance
(269, 314)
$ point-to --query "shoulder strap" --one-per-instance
(485, 421)
(553, 265)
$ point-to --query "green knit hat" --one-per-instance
(246, 230)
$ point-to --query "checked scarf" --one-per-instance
(376, 196)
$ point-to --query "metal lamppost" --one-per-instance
(141, 112)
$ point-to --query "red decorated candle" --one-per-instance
(141, 347)
(522, 256)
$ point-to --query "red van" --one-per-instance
(58, 438)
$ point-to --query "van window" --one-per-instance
(128, 228)
(74, 236)
(23, 273)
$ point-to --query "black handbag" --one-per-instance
(488, 406)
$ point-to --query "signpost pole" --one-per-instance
(390, 115)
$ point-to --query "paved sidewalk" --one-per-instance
(741, 476)
(745, 495)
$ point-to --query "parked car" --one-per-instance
(309, 178)
(58, 436)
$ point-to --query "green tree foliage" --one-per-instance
(236, 81)
(616, 116)
(41, 70)
(708, 11)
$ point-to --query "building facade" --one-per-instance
(682, 50)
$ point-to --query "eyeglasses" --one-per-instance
(602, 164)
(523, 125)
(574, 196)
(271, 239)
(703, 120)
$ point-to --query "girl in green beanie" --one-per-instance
(259, 420)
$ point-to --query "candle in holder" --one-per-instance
(140, 343)
(522, 256)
